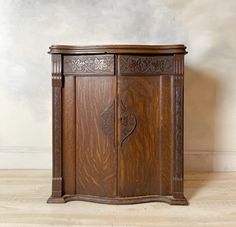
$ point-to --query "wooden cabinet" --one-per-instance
(118, 123)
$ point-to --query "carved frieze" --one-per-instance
(89, 64)
(145, 65)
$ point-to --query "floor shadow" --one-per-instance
(199, 123)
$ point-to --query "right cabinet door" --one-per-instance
(145, 131)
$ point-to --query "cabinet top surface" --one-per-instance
(122, 49)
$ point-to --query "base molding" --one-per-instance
(120, 200)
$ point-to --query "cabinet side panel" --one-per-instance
(165, 143)
(95, 128)
(138, 155)
(68, 135)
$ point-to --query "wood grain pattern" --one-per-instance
(139, 156)
(118, 124)
(128, 122)
(68, 136)
(165, 136)
(95, 155)
(56, 127)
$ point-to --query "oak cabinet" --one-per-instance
(118, 123)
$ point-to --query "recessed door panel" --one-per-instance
(96, 158)
(144, 156)
(138, 136)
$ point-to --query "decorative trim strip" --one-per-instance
(178, 137)
(145, 65)
(89, 64)
(57, 125)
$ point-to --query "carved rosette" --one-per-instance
(108, 121)
(128, 123)
(147, 65)
(89, 64)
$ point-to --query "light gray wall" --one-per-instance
(29, 27)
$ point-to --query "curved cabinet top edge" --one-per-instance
(119, 49)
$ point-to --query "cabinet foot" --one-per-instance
(178, 201)
(52, 199)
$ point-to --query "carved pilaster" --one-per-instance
(179, 64)
(57, 118)
(178, 93)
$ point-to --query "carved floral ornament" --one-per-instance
(128, 122)
(86, 64)
(131, 64)
(79, 65)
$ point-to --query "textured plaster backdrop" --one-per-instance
(207, 27)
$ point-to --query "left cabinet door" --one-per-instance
(89, 117)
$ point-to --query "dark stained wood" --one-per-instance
(68, 136)
(165, 136)
(89, 64)
(145, 65)
(139, 154)
(118, 123)
(57, 129)
(178, 125)
(119, 49)
(123, 200)
(95, 151)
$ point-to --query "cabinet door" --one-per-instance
(95, 153)
(145, 133)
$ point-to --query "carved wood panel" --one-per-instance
(145, 65)
(178, 137)
(89, 64)
(108, 122)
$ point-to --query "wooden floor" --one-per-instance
(23, 196)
